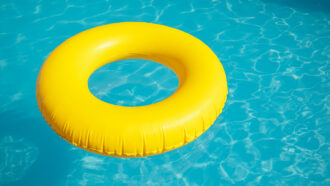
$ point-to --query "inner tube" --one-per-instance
(76, 115)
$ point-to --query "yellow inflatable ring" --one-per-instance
(89, 123)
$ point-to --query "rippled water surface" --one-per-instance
(274, 129)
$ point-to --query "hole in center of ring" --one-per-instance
(133, 82)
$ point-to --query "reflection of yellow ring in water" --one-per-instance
(87, 122)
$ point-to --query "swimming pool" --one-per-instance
(274, 129)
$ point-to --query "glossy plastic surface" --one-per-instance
(89, 123)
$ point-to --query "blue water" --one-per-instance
(274, 129)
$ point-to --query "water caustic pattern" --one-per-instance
(133, 82)
(274, 129)
(17, 156)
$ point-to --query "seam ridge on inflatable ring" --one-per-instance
(98, 151)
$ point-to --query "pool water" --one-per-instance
(274, 129)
